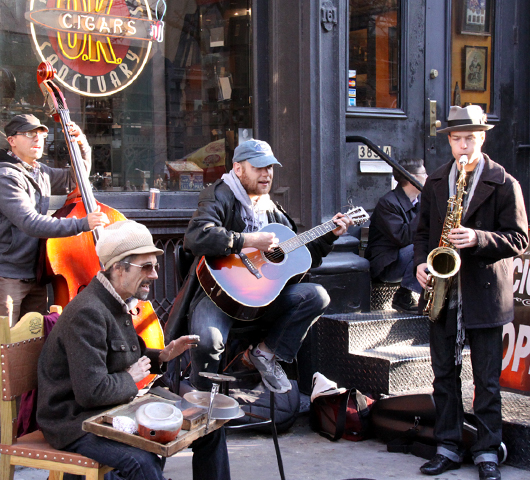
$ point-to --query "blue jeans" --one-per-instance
(402, 270)
(210, 458)
(288, 319)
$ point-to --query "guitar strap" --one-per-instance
(291, 221)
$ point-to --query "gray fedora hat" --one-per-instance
(470, 118)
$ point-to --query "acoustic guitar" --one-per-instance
(244, 284)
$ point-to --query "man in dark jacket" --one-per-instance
(230, 215)
(392, 228)
(25, 189)
(494, 229)
(93, 358)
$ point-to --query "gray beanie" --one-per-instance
(122, 239)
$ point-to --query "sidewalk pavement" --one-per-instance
(308, 456)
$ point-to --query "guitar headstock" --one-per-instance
(358, 215)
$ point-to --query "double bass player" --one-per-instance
(25, 189)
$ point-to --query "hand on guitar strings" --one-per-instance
(178, 346)
(343, 222)
(264, 241)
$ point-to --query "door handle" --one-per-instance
(432, 115)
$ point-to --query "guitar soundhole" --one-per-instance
(276, 256)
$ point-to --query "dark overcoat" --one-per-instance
(392, 227)
(498, 216)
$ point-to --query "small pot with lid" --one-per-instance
(159, 421)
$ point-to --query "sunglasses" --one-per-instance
(146, 267)
(33, 134)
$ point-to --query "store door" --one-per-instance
(408, 63)
(398, 70)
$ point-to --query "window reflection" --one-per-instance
(176, 126)
(472, 53)
(374, 46)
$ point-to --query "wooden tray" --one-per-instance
(192, 428)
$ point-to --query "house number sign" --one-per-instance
(328, 14)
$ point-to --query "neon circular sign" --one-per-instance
(98, 47)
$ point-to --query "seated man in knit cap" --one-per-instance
(93, 359)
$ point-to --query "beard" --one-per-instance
(142, 294)
(253, 187)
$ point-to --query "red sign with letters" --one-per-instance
(516, 335)
(98, 47)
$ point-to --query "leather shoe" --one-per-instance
(404, 301)
(488, 471)
(439, 464)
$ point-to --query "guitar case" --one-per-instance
(406, 424)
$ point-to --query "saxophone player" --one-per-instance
(493, 229)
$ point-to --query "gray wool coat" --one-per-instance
(82, 367)
(497, 213)
(24, 203)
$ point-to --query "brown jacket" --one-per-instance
(497, 214)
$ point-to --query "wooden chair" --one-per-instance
(20, 348)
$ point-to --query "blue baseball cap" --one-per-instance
(257, 152)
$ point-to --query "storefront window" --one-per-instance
(374, 46)
(162, 89)
(472, 53)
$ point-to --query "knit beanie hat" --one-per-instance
(124, 238)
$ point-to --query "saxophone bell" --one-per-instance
(443, 263)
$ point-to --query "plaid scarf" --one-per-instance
(455, 292)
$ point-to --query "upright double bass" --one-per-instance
(72, 262)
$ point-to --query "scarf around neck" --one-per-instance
(254, 214)
(455, 293)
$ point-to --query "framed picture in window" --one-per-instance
(476, 17)
(476, 68)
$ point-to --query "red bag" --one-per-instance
(344, 415)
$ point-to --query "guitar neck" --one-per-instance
(306, 237)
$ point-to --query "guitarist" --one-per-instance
(229, 216)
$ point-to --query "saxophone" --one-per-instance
(444, 262)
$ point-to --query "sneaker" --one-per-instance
(271, 373)
(404, 301)
(245, 359)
